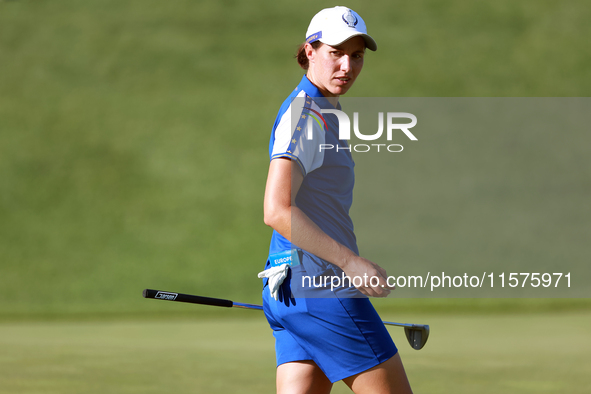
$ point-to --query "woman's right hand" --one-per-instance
(373, 278)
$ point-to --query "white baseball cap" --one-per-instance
(333, 26)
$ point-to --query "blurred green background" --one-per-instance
(493, 185)
(133, 154)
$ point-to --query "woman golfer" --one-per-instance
(323, 333)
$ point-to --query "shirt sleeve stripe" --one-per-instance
(292, 157)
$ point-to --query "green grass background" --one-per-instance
(133, 154)
(465, 354)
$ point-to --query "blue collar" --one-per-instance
(312, 91)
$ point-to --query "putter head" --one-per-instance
(417, 335)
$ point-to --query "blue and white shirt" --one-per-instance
(326, 193)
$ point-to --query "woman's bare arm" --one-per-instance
(282, 214)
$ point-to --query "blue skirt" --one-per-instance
(342, 335)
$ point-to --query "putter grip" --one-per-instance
(192, 299)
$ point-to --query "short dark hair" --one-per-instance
(301, 54)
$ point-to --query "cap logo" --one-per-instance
(314, 37)
(350, 19)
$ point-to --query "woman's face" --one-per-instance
(334, 69)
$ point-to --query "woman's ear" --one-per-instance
(310, 52)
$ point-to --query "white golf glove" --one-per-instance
(276, 275)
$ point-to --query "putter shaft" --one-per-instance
(416, 334)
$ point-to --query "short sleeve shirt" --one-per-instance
(306, 135)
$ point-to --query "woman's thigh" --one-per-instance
(302, 377)
(386, 378)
